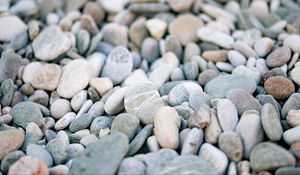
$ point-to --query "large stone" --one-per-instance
(10, 140)
(11, 26)
(29, 165)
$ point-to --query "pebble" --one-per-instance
(166, 126)
(293, 42)
(7, 90)
(177, 74)
(279, 57)
(39, 97)
(244, 49)
(156, 27)
(224, 66)
(10, 140)
(88, 139)
(243, 101)
(74, 150)
(152, 144)
(279, 87)
(39, 152)
(191, 49)
(100, 123)
(180, 93)
(180, 6)
(295, 75)
(28, 165)
(263, 46)
(293, 102)
(138, 31)
(236, 58)
(75, 77)
(9, 65)
(250, 130)
(227, 115)
(191, 70)
(192, 142)
(59, 170)
(200, 118)
(118, 66)
(102, 85)
(274, 156)
(78, 100)
(11, 26)
(213, 129)
(150, 49)
(33, 114)
(80, 123)
(65, 121)
(215, 157)
(55, 44)
(287, 170)
(229, 82)
(115, 7)
(10, 159)
(95, 10)
(215, 55)
(131, 165)
(172, 44)
(97, 109)
(102, 156)
(57, 148)
(293, 117)
(96, 61)
(292, 135)
(126, 123)
(59, 108)
(207, 75)
(250, 72)
(211, 35)
(185, 27)
(115, 34)
(271, 122)
(231, 144)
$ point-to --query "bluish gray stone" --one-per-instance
(81, 122)
(9, 65)
(40, 152)
(7, 90)
(58, 150)
(9, 159)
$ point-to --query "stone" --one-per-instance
(211, 35)
(88, 23)
(166, 127)
(250, 72)
(250, 130)
(263, 46)
(50, 44)
(150, 49)
(82, 41)
(57, 148)
(179, 5)
(205, 76)
(190, 50)
(126, 123)
(96, 61)
(11, 26)
(215, 157)
(279, 87)
(271, 122)
(59, 108)
(213, 129)
(293, 117)
(224, 66)
(192, 142)
(185, 28)
(292, 135)
(7, 91)
(25, 112)
(244, 49)
(269, 156)
(9, 65)
(10, 159)
(118, 66)
(191, 70)
(39, 152)
(40, 97)
(10, 140)
(74, 150)
(292, 41)
(102, 156)
(115, 34)
(200, 118)
(229, 82)
(215, 55)
(113, 7)
(29, 165)
(243, 101)
(215, 12)
(100, 123)
(59, 169)
(88, 139)
(295, 75)
(231, 144)
(30, 70)
(95, 10)
(287, 170)
(279, 57)
(78, 100)
(75, 77)
(102, 85)
(173, 45)
(293, 102)
(236, 58)
(81, 123)
(227, 115)
(138, 31)
(131, 165)
(115, 102)
(156, 27)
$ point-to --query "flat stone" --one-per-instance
(115, 34)
(206, 75)
(292, 135)
(279, 87)
(102, 156)
(215, 55)
(269, 156)
(213, 129)
(185, 28)
(250, 72)
(138, 31)
(7, 91)
(113, 7)
(28, 165)
(9, 65)
(115, 102)
(192, 142)
(263, 46)
(236, 58)
(126, 123)
(179, 5)
(211, 35)
(231, 144)
(78, 100)
(227, 115)
(59, 108)
(25, 112)
(75, 77)
(229, 82)
(11, 26)
(30, 70)
(279, 57)
(293, 117)
(118, 66)
(10, 140)
(102, 85)
(50, 44)
(287, 171)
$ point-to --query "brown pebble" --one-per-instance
(279, 87)
(29, 165)
(215, 55)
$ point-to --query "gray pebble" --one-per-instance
(206, 75)
(177, 74)
(198, 99)
(100, 123)
(227, 115)
(293, 102)
(57, 148)
(9, 65)
(7, 90)
(126, 123)
(97, 109)
(40, 152)
(80, 123)
(115, 34)
(200, 118)
(40, 97)
(82, 41)
(190, 50)
(173, 45)
(292, 135)
(192, 142)
(231, 144)
(74, 150)
(190, 70)
(213, 129)
(150, 49)
(279, 57)
(9, 159)
(131, 165)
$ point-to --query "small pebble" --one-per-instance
(279, 87)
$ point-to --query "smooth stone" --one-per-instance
(215, 12)
(152, 144)
(279, 87)
(177, 74)
(224, 66)
(7, 91)
(25, 112)
(185, 28)
(28, 165)
(115, 34)
(59, 108)
(191, 70)
(100, 123)
(39, 152)
(213, 36)
(293, 117)
(166, 127)
(269, 156)
(9, 65)
(88, 23)
(213, 129)
(244, 49)
(229, 82)
(96, 61)
(113, 7)
(88, 139)
(74, 150)
(138, 31)
(198, 99)
(200, 118)
(82, 41)
(118, 66)
(65, 121)
(150, 49)
(102, 156)
(250, 130)
(59, 170)
(263, 46)
(227, 115)
(139, 140)
(279, 57)
(10, 159)
(10, 140)
(11, 26)
(192, 142)
(102, 85)
(131, 165)
(57, 148)
(215, 157)
(81, 123)
(30, 70)
(293, 102)
(156, 27)
(190, 50)
(148, 8)
(292, 135)
(287, 171)
(115, 102)
(78, 100)
(50, 44)
(75, 77)
(180, 6)
(215, 55)
(95, 10)
(250, 72)
(231, 144)
(292, 41)
(126, 123)
(243, 101)
(206, 75)
(236, 58)
(40, 97)
(97, 109)
(173, 45)
(271, 122)
(295, 75)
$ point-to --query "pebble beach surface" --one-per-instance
(149, 87)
